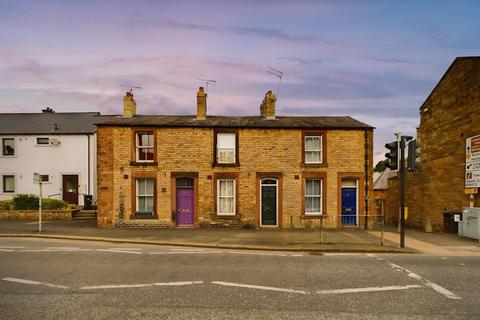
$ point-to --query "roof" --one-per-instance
(381, 183)
(458, 61)
(44, 123)
(233, 122)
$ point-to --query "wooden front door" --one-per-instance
(70, 188)
(185, 202)
(268, 203)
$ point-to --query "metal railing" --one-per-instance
(344, 229)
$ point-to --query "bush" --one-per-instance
(53, 204)
(30, 202)
(25, 202)
(6, 205)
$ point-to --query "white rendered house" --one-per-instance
(61, 147)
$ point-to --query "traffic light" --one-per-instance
(413, 155)
(392, 156)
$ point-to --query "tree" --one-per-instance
(380, 166)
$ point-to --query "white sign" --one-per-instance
(36, 178)
(472, 162)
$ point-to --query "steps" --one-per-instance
(84, 215)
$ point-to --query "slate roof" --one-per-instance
(233, 122)
(44, 123)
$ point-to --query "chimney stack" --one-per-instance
(267, 108)
(201, 104)
(129, 105)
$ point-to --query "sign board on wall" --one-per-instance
(472, 162)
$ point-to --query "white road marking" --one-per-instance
(369, 289)
(447, 293)
(250, 286)
(120, 286)
(7, 250)
(11, 247)
(157, 252)
(128, 249)
(31, 282)
(371, 255)
(296, 255)
(259, 253)
(118, 251)
(196, 252)
(55, 250)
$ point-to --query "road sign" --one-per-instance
(472, 162)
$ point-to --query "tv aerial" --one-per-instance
(277, 73)
(131, 87)
(208, 82)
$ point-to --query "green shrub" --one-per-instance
(25, 202)
(53, 204)
(6, 205)
(30, 202)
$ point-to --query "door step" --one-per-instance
(84, 215)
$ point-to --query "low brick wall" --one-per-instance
(33, 214)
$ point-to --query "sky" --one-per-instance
(376, 61)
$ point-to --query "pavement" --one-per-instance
(276, 240)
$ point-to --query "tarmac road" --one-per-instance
(60, 279)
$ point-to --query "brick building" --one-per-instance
(255, 171)
(449, 115)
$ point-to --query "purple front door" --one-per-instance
(185, 212)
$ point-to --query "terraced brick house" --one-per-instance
(260, 171)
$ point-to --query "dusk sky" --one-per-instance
(374, 60)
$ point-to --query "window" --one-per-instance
(145, 197)
(313, 196)
(145, 146)
(44, 178)
(313, 149)
(8, 146)
(226, 197)
(8, 184)
(43, 141)
(226, 145)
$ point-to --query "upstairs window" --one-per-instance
(8, 146)
(226, 148)
(145, 197)
(145, 147)
(313, 197)
(313, 149)
(8, 184)
(226, 197)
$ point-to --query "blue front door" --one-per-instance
(349, 206)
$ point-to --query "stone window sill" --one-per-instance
(143, 164)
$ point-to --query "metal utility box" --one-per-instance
(469, 226)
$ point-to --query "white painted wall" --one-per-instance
(70, 157)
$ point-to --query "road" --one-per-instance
(57, 279)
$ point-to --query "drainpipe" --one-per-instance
(366, 178)
(89, 156)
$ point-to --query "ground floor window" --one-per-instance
(313, 196)
(145, 196)
(8, 183)
(226, 197)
